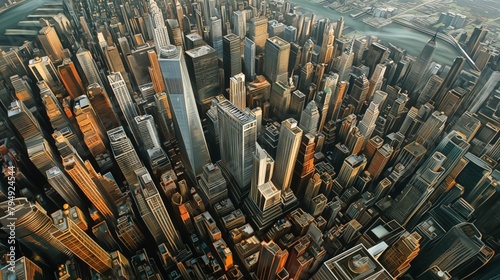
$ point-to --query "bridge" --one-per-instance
(445, 37)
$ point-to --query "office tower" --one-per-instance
(367, 124)
(89, 67)
(264, 201)
(306, 77)
(290, 34)
(102, 105)
(82, 176)
(157, 208)
(376, 80)
(271, 260)
(232, 55)
(297, 104)
(309, 118)
(460, 252)
(354, 263)
(124, 153)
(124, 99)
(22, 269)
(281, 94)
(103, 235)
(79, 243)
(431, 128)
(290, 136)
(258, 33)
(275, 28)
(60, 182)
(379, 161)
(358, 92)
(202, 64)
(249, 59)
(187, 124)
(336, 100)
(33, 229)
(147, 132)
(216, 35)
(164, 116)
(413, 81)
(24, 122)
(129, 233)
(450, 79)
(396, 259)
(323, 99)
(351, 168)
(160, 32)
(90, 126)
(237, 91)
(304, 167)
(239, 24)
(475, 40)
(138, 61)
(429, 91)
(70, 78)
(377, 53)
(259, 91)
(326, 51)
(50, 41)
(22, 91)
(480, 93)
(115, 64)
(238, 133)
(277, 52)
(417, 191)
(212, 184)
(43, 69)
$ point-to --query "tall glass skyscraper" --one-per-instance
(187, 124)
(238, 133)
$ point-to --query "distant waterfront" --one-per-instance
(13, 15)
(410, 40)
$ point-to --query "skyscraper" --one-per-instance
(50, 41)
(460, 252)
(203, 66)
(79, 243)
(33, 229)
(43, 69)
(237, 91)
(288, 148)
(249, 59)
(124, 99)
(216, 35)
(60, 182)
(157, 207)
(277, 53)
(232, 55)
(160, 32)
(89, 67)
(271, 260)
(354, 263)
(309, 118)
(22, 269)
(396, 259)
(238, 133)
(367, 124)
(70, 78)
(187, 124)
(124, 153)
(413, 81)
(77, 170)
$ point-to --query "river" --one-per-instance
(410, 40)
